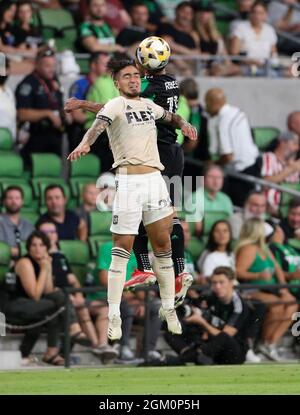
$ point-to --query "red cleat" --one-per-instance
(182, 283)
(140, 278)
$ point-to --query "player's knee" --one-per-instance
(121, 241)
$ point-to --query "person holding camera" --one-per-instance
(214, 328)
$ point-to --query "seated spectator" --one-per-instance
(286, 256)
(211, 41)
(8, 112)
(14, 229)
(131, 305)
(190, 108)
(226, 125)
(68, 224)
(63, 277)
(214, 331)
(131, 36)
(89, 201)
(181, 35)
(95, 34)
(40, 102)
(218, 252)
(280, 166)
(107, 187)
(117, 16)
(285, 16)
(244, 9)
(256, 264)
(214, 199)
(291, 224)
(24, 31)
(156, 14)
(79, 90)
(256, 40)
(255, 207)
(293, 122)
(35, 298)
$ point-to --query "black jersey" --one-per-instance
(164, 91)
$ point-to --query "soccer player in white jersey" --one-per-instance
(141, 191)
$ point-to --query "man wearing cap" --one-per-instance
(281, 166)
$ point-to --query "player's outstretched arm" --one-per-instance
(73, 104)
(89, 138)
(178, 122)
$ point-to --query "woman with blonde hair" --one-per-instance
(256, 264)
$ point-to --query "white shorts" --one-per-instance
(139, 197)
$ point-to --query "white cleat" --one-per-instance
(171, 318)
(114, 331)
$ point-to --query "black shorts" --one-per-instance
(172, 157)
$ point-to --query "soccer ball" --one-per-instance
(153, 53)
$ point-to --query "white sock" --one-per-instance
(116, 280)
(164, 270)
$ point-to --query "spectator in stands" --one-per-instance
(291, 224)
(79, 90)
(107, 186)
(35, 298)
(14, 229)
(256, 40)
(89, 201)
(211, 41)
(181, 35)
(40, 102)
(231, 141)
(286, 256)
(215, 331)
(95, 34)
(218, 252)
(67, 222)
(63, 277)
(24, 31)
(255, 207)
(256, 264)
(8, 112)
(214, 199)
(285, 16)
(156, 14)
(244, 8)
(293, 122)
(190, 108)
(131, 36)
(116, 15)
(280, 166)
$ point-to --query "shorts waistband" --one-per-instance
(138, 176)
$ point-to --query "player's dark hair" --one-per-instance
(39, 235)
(117, 63)
(9, 189)
(259, 3)
(54, 186)
(189, 88)
(212, 245)
(227, 271)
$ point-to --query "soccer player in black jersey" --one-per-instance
(163, 90)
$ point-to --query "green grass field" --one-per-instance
(233, 380)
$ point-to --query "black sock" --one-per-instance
(140, 248)
(177, 241)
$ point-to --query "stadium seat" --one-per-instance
(6, 140)
(263, 136)
(85, 170)
(96, 241)
(31, 217)
(77, 253)
(196, 247)
(99, 223)
(210, 218)
(45, 165)
(11, 165)
(5, 259)
(286, 198)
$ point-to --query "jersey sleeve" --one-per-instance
(158, 111)
(147, 89)
(24, 95)
(110, 110)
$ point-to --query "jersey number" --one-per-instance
(173, 103)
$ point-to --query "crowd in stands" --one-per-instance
(53, 230)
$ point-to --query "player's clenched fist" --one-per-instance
(189, 131)
(78, 152)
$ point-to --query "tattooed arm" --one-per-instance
(84, 147)
(177, 121)
(76, 104)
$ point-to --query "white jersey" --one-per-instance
(132, 131)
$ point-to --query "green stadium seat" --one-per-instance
(196, 247)
(83, 64)
(77, 253)
(99, 223)
(31, 217)
(5, 259)
(11, 165)
(95, 242)
(45, 165)
(210, 218)
(85, 170)
(6, 140)
(263, 136)
(286, 198)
